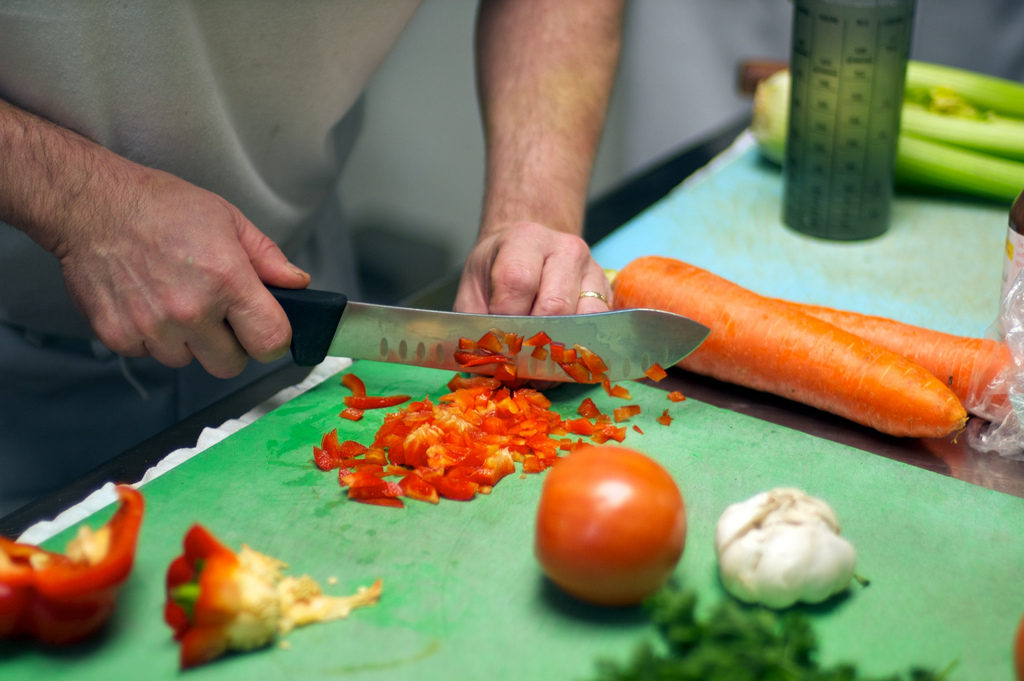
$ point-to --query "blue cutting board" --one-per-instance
(939, 265)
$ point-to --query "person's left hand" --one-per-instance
(525, 268)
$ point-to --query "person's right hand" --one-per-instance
(156, 264)
(167, 269)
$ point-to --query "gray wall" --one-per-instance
(413, 185)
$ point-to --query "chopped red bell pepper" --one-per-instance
(655, 372)
(359, 401)
(490, 341)
(374, 402)
(480, 358)
(609, 432)
(331, 444)
(332, 453)
(581, 426)
(61, 598)
(538, 339)
(323, 460)
(498, 348)
(615, 390)
(365, 484)
(625, 413)
(676, 396)
(664, 419)
(513, 342)
(507, 374)
(415, 487)
(533, 464)
(350, 448)
(588, 409)
(459, 382)
(475, 434)
(376, 456)
(577, 371)
(354, 383)
(351, 414)
(455, 488)
(592, 360)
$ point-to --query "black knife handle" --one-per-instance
(314, 316)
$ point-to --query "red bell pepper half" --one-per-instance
(62, 598)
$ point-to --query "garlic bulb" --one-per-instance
(780, 547)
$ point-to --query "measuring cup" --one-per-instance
(848, 64)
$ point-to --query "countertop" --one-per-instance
(936, 525)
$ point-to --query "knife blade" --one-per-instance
(628, 341)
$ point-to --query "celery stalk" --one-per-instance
(994, 135)
(987, 92)
(961, 152)
(925, 163)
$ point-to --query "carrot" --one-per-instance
(971, 367)
(771, 346)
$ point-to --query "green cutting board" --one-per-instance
(463, 597)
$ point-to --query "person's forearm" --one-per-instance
(158, 266)
(545, 74)
(47, 174)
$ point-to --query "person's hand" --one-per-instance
(166, 269)
(525, 268)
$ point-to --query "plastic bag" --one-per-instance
(1002, 401)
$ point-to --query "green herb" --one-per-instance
(736, 643)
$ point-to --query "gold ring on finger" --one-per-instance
(594, 294)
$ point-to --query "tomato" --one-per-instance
(611, 525)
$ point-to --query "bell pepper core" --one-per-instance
(219, 600)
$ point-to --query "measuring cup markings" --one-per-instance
(844, 115)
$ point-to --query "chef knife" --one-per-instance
(628, 341)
